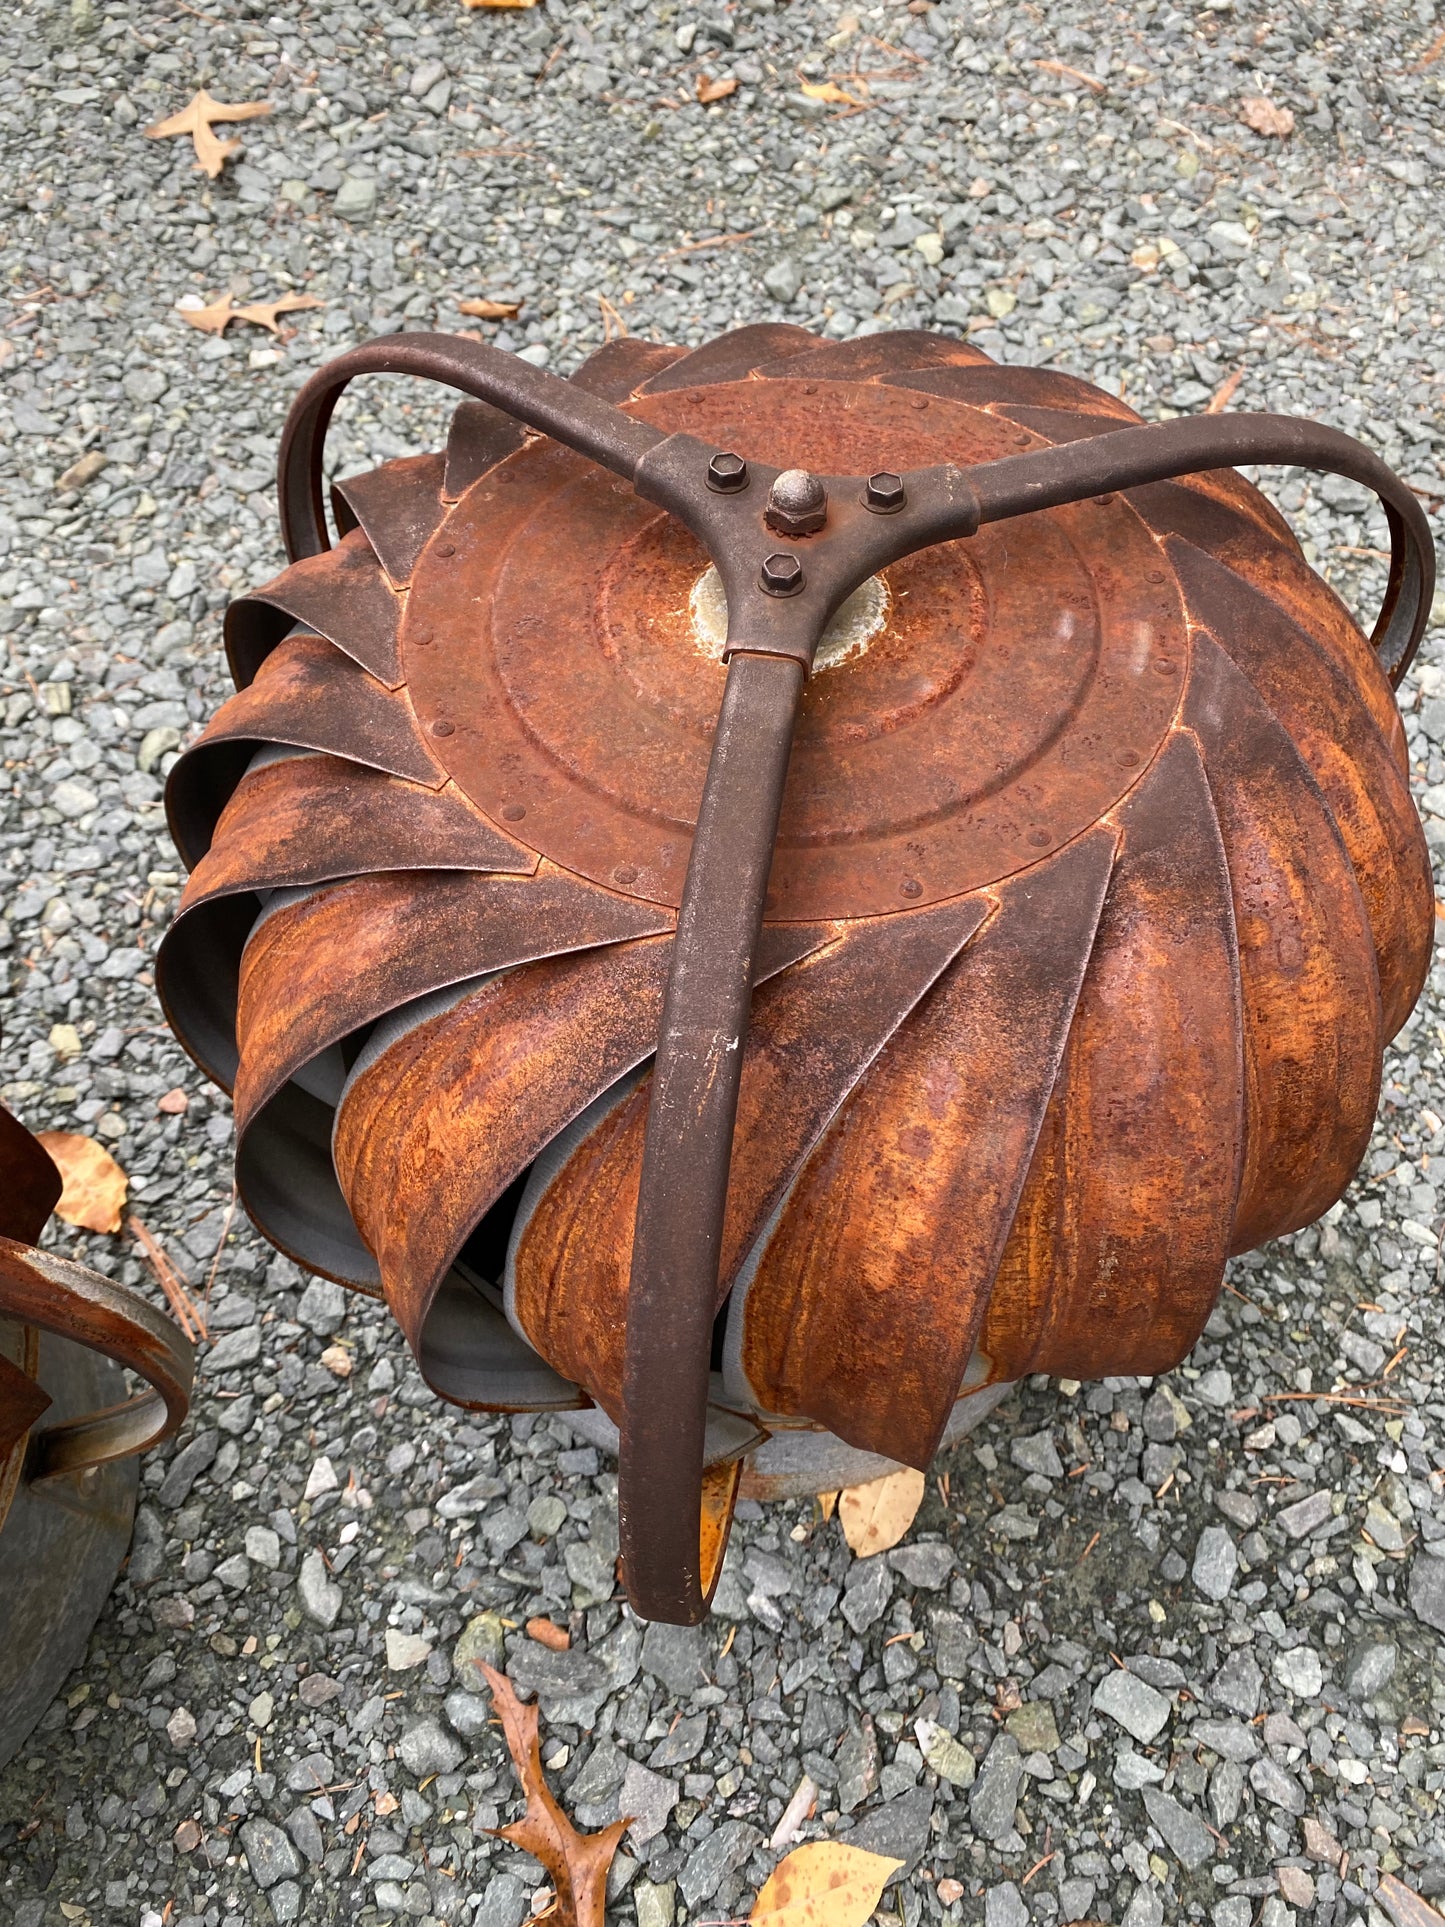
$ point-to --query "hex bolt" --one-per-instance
(797, 503)
(885, 493)
(781, 574)
(727, 474)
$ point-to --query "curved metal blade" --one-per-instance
(317, 970)
(733, 356)
(1300, 679)
(815, 1030)
(30, 1184)
(311, 818)
(1311, 996)
(863, 1306)
(995, 385)
(620, 369)
(503, 1070)
(343, 595)
(310, 695)
(1119, 1242)
(480, 436)
(877, 357)
(398, 507)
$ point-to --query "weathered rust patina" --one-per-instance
(744, 979)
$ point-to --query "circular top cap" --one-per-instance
(797, 503)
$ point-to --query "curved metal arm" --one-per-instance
(59, 1296)
(545, 402)
(1126, 458)
(683, 1198)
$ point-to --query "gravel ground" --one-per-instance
(252, 1737)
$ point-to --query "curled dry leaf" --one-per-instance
(547, 1633)
(824, 1884)
(490, 310)
(94, 1184)
(876, 1516)
(830, 91)
(215, 319)
(710, 90)
(1266, 117)
(198, 119)
(577, 1862)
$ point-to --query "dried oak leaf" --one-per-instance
(823, 1884)
(577, 1862)
(710, 90)
(215, 319)
(1266, 116)
(490, 310)
(94, 1184)
(197, 119)
(876, 1516)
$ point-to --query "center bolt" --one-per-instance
(781, 574)
(797, 503)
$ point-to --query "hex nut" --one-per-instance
(885, 493)
(727, 474)
(782, 574)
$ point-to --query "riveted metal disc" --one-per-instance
(560, 659)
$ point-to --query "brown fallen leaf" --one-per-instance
(577, 1862)
(197, 119)
(1266, 117)
(830, 91)
(1066, 72)
(95, 1185)
(876, 1516)
(547, 1633)
(1404, 1905)
(490, 310)
(215, 319)
(190, 1316)
(710, 90)
(822, 1884)
(827, 1503)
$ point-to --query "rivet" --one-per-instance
(1127, 758)
(1040, 839)
(920, 402)
(446, 548)
(624, 874)
(1155, 575)
(1104, 500)
(910, 887)
(443, 728)
(810, 388)
(1022, 441)
(422, 636)
(514, 812)
(1164, 666)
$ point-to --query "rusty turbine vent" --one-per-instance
(761, 940)
(66, 1430)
